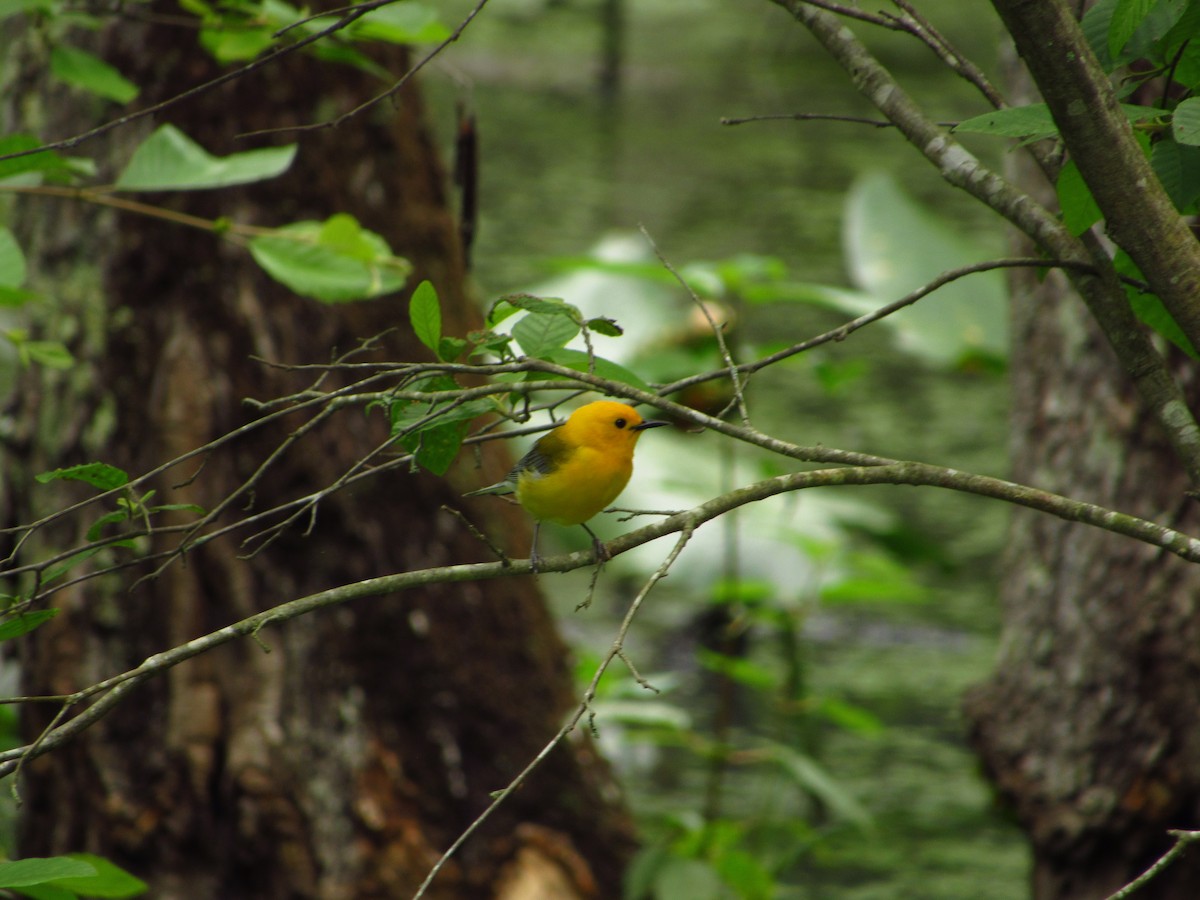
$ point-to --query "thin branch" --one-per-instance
(617, 649)
(390, 92)
(718, 330)
(1183, 840)
(878, 471)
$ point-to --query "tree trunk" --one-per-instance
(1090, 727)
(341, 753)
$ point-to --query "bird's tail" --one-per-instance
(500, 487)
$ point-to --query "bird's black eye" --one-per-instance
(620, 423)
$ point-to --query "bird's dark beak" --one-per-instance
(651, 423)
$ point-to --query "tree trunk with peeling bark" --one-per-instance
(339, 754)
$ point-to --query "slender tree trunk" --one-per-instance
(1090, 726)
(338, 755)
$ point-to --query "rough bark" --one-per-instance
(1088, 728)
(338, 759)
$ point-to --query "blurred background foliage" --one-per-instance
(810, 653)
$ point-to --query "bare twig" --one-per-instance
(390, 92)
(717, 329)
(1183, 840)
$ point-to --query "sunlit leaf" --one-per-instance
(169, 160)
(323, 264)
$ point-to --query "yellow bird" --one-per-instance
(577, 469)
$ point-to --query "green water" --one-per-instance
(561, 168)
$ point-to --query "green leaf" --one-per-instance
(435, 443)
(16, 297)
(15, 7)
(97, 529)
(20, 624)
(109, 880)
(425, 315)
(1127, 16)
(605, 326)
(328, 265)
(687, 879)
(83, 70)
(1079, 208)
(540, 333)
(1185, 123)
(644, 713)
(98, 475)
(401, 23)
(547, 306)
(40, 870)
(12, 260)
(52, 354)
(1034, 122)
(739, 669)
(169, 160)
(46, 161)
(450, 348)
(809, 775)
(68, 564)
(577, 360)
(1178, 168)
(1149, 309)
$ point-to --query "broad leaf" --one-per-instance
(109, 880)
(1178, 168)
(401, 23)
(40, 870)
(331, 264)
(98, 475)
(90, 73)
(12, 260)
(1185, 123)
(1079, 208)
(169, 160)
(541, 333)
(425, 315)
(15, 627)
(578, 361)
(45, 162)
(1126, 18)
(1034, 122)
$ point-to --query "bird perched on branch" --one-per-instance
(576, 470)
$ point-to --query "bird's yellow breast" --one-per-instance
(583, 482)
